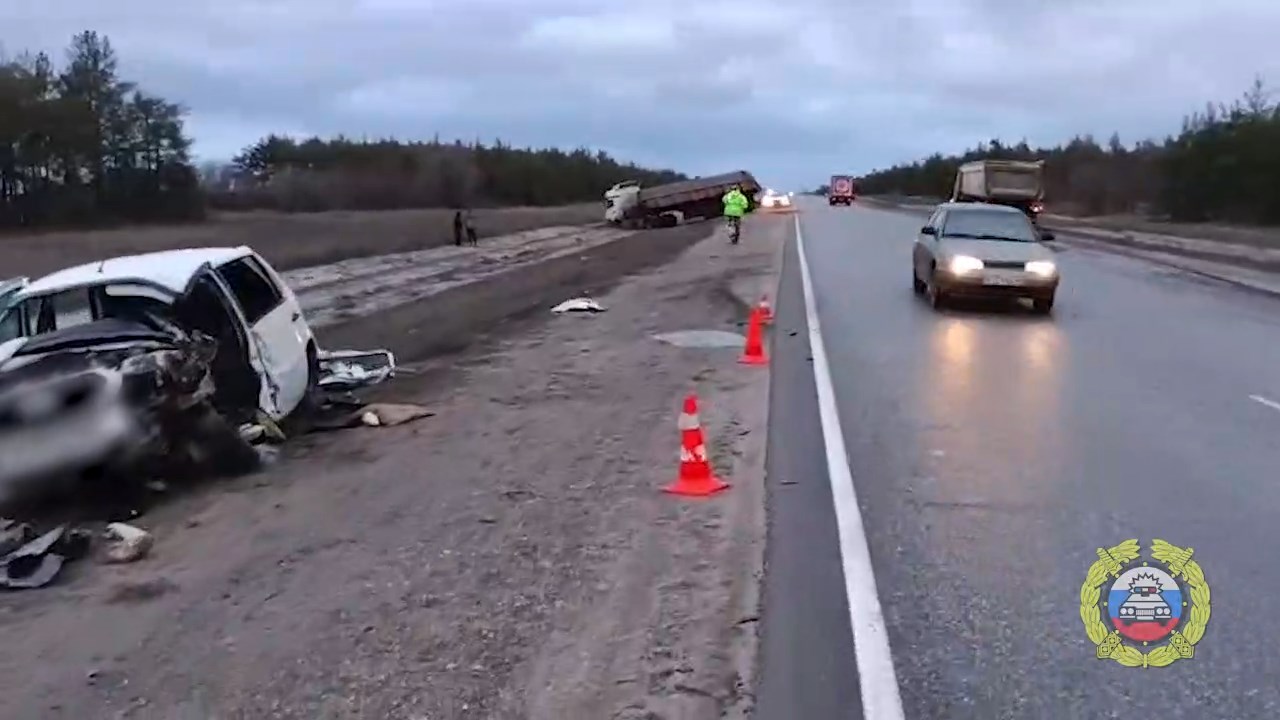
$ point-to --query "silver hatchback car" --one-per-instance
(981, 250)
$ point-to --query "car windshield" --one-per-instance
(989, 225)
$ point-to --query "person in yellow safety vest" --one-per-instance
(735, 206)
(735, 203)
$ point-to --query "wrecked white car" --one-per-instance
(134, 356)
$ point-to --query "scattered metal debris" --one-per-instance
(350, 369)
(38, 560)
(702, 339)
(579, 304)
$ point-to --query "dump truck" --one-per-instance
(630, 205)
(1016, 183)
(841, 191)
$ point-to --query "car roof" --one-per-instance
(170, 269)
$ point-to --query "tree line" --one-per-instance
(81, 146)
(1224, 165)
(342, 174)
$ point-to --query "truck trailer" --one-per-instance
(841, 191)
(630, 205)
(1016, 183)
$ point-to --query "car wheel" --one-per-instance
(916, 283)
(936, 298)
(1043, 306)
(299, 420)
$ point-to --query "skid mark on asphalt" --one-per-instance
(1269, 403)
(881, 697)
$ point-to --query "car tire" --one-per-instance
(917, 285)
(937, 300)
(1042, 306)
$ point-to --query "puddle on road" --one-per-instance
(702, 339)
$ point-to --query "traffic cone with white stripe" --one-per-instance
(696, 478)
(766, 311)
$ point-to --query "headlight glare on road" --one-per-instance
(1043, 268)
(961, 264)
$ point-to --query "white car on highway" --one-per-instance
(983, 250)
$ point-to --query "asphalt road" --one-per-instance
(992, 452)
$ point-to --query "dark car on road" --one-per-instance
(983, 250)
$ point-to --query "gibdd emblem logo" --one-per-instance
(1148, 603)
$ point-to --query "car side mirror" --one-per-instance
(929, 230)
(1046, 236)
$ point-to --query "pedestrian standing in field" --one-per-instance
(457, 228)
(471, 229)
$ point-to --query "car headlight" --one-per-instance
(964, 264)
(1043, 268)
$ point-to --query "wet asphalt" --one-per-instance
(993, 451)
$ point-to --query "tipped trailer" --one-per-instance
(630, 205)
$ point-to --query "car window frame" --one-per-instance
(252, 315)
(936, 220)
(12, 313)
(34, 308)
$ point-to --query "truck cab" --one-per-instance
(620, 201)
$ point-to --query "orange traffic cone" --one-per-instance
(753, 353)
(696, 478)
(766, 311)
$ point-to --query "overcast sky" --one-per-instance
(793, 91)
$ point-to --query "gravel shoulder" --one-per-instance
(509, 557)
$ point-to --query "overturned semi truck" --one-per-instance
(629, 205)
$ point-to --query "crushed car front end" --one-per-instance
(104, 396)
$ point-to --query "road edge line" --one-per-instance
(878, 681)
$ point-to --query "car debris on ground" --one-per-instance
(127, 543)
(371, 415)
(578, 304)
(32, 561)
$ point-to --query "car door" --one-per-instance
(925, 246)
(272, 322)
(301, 329)
(206, 305)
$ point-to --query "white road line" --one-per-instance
(1269, 403)
(881, 699)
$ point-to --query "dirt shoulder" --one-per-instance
(287, 240)
(510, 557)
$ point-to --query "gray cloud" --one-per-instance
(793, 91)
